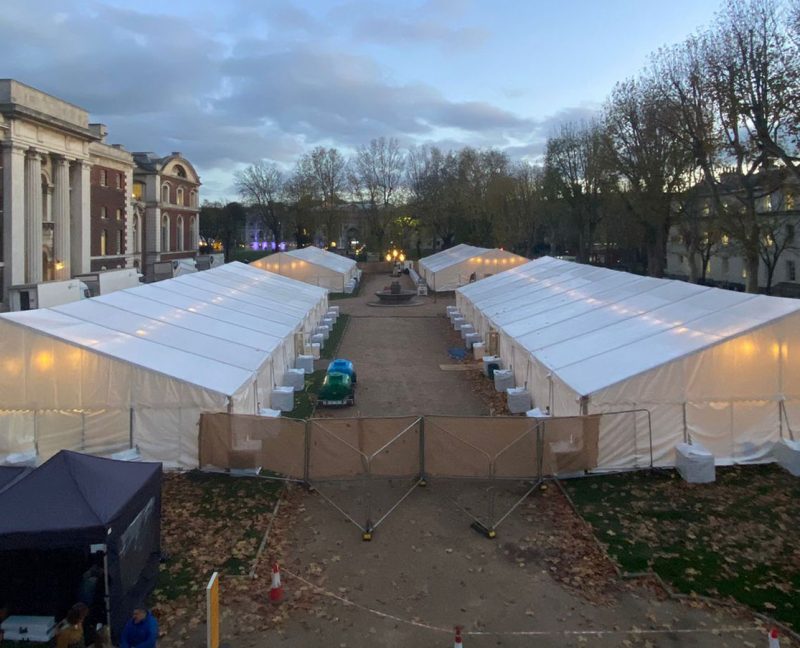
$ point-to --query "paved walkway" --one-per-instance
(397, 351)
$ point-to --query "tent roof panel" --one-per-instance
(319, 257)
(202, 329)
(613, 325)
(451, 256)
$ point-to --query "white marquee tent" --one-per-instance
(455, 266)
(139, 365)
(711, 366)
(314, 266)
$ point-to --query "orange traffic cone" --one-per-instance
(774, 642)
(457, 643)
(276, 590)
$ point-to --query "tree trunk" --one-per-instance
(694, 273)
(751, 264)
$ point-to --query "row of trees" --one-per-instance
(705, 139)
(703, 142)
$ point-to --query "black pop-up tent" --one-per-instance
(77, 514)
(10, 475)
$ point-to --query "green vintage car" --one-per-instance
(337, 389)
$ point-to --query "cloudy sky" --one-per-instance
(231, 82)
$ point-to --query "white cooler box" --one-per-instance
(478, 349)
(694, 463)
(282, 398)
(305, 363)
(29, 628)
(787, 454)
(470, 339)
(519, 399)
(503, 380)
(491, 359)
(295, 378)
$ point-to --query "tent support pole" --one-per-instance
(130, 429)
(685, 425)
(106, 582)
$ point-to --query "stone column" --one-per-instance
(61, 221)
(196, 233)
(33, 216)
(80, 218)
(13, 218)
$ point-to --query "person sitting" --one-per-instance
(71, 635)
(141, 630)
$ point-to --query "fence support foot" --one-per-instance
(485, 531)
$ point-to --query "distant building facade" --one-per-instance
(725, 265)
(110, 204)
(166, 210)
(45, 187)
(73, 204)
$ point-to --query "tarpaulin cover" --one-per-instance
(705, 362)
(10, 474)
(460, 264)
(312, 265)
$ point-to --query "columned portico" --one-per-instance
(33, 216)
(13, 215)
(61, 217)
(80, 220)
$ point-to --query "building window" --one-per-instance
(179, 171)
(193, 244)
(193, 199)
(138, 190)
(180, 196)
(103, 178)
(103, 239)
(119, 241)
(119, 214)
(708, 267)
(103, 213)
(179, 234)
(725, 239)
(725, 266)
(165, 233)
(789, 233)
(789, 199)
(791, 271)
(165, 193)
(118, 180)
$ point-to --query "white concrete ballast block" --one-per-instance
(694, 463)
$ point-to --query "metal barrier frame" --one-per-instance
(492, 521)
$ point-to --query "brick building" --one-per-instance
(111, 218)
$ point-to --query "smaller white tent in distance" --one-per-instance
(462, 264)
(136, 367)
(706, 365)
(314, 266)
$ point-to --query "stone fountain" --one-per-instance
(394, 294)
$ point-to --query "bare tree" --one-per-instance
(375, 177)
(324, 172)
(650, 160)
(260, 186)
(577, 172)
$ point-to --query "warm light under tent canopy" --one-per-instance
(462, 264)
(314, 266)
(139, 365)
(713, 366)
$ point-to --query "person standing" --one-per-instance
(71, 635)
(141, 630)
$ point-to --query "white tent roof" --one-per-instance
(596, 327)
(213, 329)
(452, 256)
(317, 256)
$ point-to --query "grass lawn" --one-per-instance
(306, 401)
(735, 538)
(336, 296)
(332, 344)
(210, 522)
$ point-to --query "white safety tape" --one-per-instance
(523, 633)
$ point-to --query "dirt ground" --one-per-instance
(543, 581)
(397, 351)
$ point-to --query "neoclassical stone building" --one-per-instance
(73, 204)
(45, 187)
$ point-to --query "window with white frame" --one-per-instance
(165, 233)
(791, 270)
(179, 233)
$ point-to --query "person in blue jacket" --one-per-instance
(141, 630)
